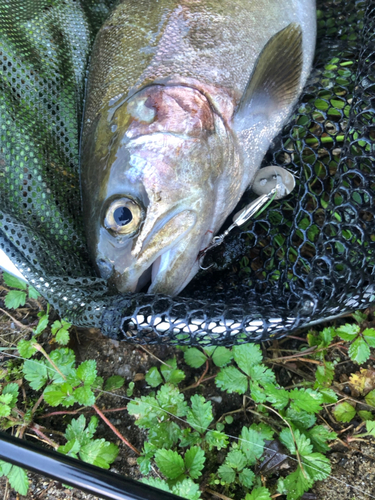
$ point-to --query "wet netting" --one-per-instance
(308, 257)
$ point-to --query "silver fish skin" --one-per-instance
(184, 98)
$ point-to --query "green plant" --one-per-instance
(183, 435)
(63, 383)
(17, 297)
(185, 432)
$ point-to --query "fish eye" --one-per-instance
(123, 216)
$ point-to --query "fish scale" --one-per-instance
(142, 42)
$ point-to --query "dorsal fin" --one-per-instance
(275, 81)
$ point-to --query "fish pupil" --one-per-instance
(122, 216)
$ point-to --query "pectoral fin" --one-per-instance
(275, 81)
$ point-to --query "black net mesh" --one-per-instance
(306, 258)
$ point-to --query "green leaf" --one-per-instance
(13, 281)
(65, 360)
(220, 426)
(62, 337)
(261, 493)
(58, 326)
(265, 431)
(262, 374)
(230, 379)
(295, 484)
(189, 438)
(33, 293)
(57, 394)
(370, 427)
(359, 351)
(12, 389)
(92, 425)
(146, 410)
(194, 357)
(99, 452)
(348, 332)
(26, 348)
(344, 412)
(286, 438)
(365, 415)
(319, 436)
(278, 397)
(71, 448)
(170, 373)
(164, 434)
(87, 371)
(42, 324)
(194, 461)
(246, 477)
(156, 482)
(77, 429)
(170, 463)
(35, 373)
(5, 468)
(359, 316)
(130, 389)
(187, 489)
(114, 382)
(251, 442)
(246, 356)
(199, 416)
(370, 398)
(303, 443)
(327, 335)
(317, 466)
(172, 400)
(324, 374)
(15, 299)
(329, 396)
(258, 394)
(84, 395)
(144, 465)
(55, 327)
(369, 336)
(221, 356)
(216, 439)
(300, 417)
(18, 480)
(6, 398)
(4, 408)
(153, 377)
(226, 473)
(236, 460)
(306, 399)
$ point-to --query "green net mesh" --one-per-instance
(306, 258)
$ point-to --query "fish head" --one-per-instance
(150, 181)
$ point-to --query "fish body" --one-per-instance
(183, 100)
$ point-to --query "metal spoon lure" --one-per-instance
(270, 183)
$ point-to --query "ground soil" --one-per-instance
(353, 466)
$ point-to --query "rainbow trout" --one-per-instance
(184, 98)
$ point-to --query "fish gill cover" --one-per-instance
(307, 257)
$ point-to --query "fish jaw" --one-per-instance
(155, 259)
(165, 263)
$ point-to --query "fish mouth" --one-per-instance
(165, 259)
(145, 281)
